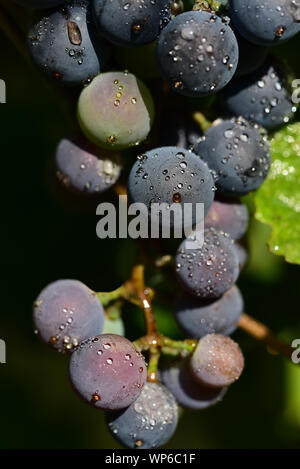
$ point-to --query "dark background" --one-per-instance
(45, 238)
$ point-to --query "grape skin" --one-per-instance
(196, 317)
(230, 216)
(149, 422)
(67, 312)
(188, 392)
(210, 271)
(171, 175)
(84, 168)
(64, 45)
(116, 110)
(217, 361)
(239, 154)
(108, 372)
(131, 23)
(260, 97)
(197, 53)
(265, 22)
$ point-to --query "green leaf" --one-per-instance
(278, 199)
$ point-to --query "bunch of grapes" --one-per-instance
(214, 58)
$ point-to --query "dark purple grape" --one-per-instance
(149, 422)
(207, 272)
(262, 97)
(67, 312)
(197, 317)
(85, 168)
(65, 46)
(229, 216)
(217, 361)
(238, 151)
(131, 23)
(266, 22)
(171, 176)
(188, 392)
(197, 53)
(108, 372)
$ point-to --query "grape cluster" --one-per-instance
(197, 53)
(185, 59)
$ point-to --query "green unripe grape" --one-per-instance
(116, 110)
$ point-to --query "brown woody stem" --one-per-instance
(143, 293)
(262, 333)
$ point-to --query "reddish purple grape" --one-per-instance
(67, 312)
(108, 372)
(217, 361)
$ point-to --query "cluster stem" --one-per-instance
(262, 333)
(152, 337)
(207, 5)
(136, 292)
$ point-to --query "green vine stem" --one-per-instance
(152, 376)
(176, 348)
(181, 347)
(202, 121)
(207, 5)
(163, 261)
(108, 297)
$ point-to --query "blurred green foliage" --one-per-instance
(45, 239)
